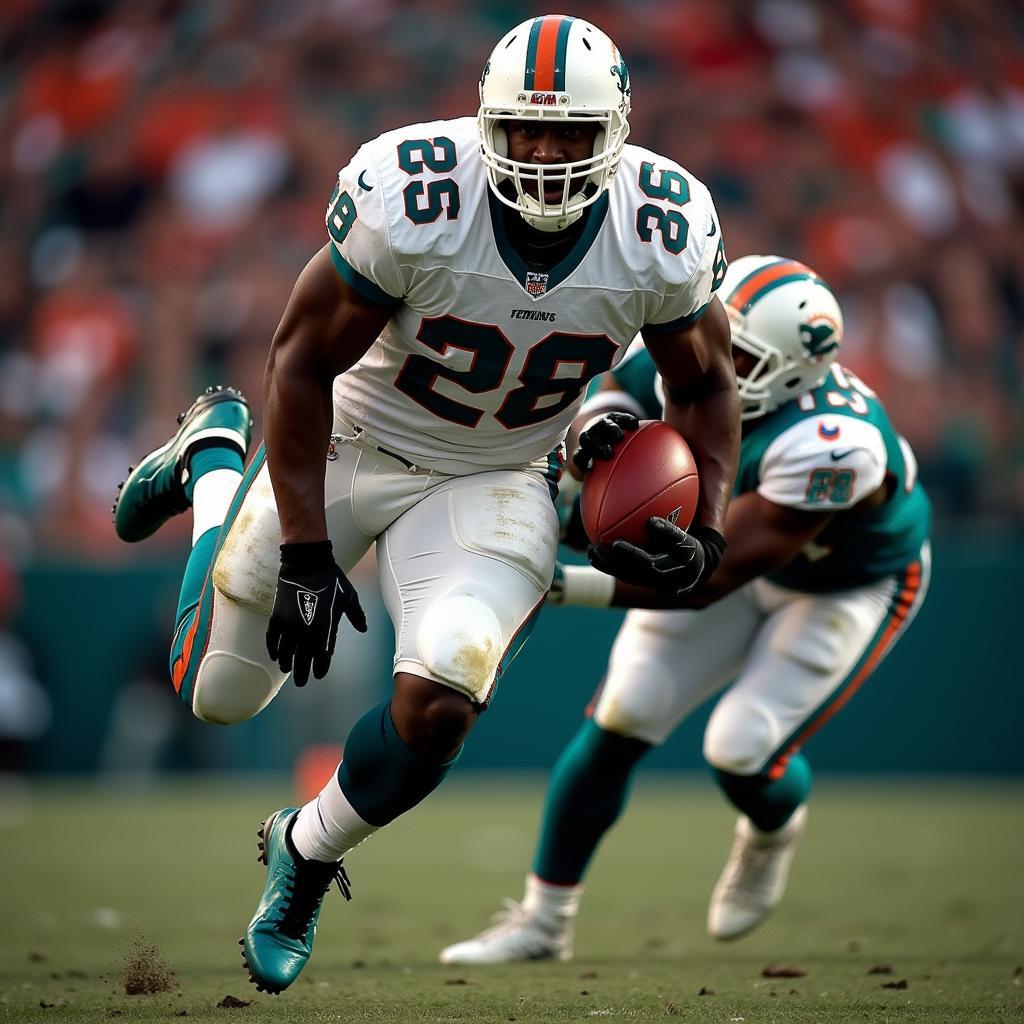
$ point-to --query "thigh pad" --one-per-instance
(509, 517)
(248, 562)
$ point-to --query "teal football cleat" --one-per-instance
(155, 488)
(279, 939)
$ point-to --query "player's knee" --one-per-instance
(460, 644)
(432, 719)
(641, 706)
(229, 689)
(740, 740)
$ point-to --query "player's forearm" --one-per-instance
(711, 425)
(298, 430)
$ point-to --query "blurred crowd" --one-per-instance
(165, 167)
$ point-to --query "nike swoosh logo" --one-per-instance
(836, 456)
(713, 231)
(362, 183)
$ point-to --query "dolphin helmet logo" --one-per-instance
(621, 73)
(819, 337)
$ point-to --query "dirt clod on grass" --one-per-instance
(36, 957)
(233, 1003)
(145, 971)
(902, 983)
(783, 971)
(672, 1009)
(705, 991)
(881, 969)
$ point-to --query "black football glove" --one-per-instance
(677, 561)
(598, 441)
(312, 595)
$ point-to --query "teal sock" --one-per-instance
(196, 569)
(217, 456)
(381, 777)
(588, 789)
(768, 803)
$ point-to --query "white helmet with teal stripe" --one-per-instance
(564, 69)
(785, 317)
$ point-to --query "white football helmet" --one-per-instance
(564, 69)
(787, 318)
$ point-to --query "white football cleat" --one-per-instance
(754, 879)
(517, 934)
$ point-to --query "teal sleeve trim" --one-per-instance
(678, 325)
(361, 284)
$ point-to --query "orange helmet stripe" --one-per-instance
(546, 53)
(762, 277)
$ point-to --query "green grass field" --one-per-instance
(926, 878)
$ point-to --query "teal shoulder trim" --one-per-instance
(680, 324)
(361, 284)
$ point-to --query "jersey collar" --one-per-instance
(564, 267)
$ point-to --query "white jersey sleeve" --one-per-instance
(803, 469)
(684, 305)
(360, 237)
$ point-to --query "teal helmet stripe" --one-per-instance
(741, 290)
(771, 286)
(561, 51)
(743, 280)
(554, 64)
(531, 53)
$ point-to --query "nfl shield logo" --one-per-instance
(536, 284)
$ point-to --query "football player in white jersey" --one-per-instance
(828, 563)
(478, 274)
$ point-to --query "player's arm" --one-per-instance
(326, 328)
(763, 537)
(702, 403)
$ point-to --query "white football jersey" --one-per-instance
(484, 363)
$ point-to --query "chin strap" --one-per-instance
(552, 224)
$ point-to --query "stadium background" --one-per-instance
(164, 167)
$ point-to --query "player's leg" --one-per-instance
(220, 663)
(662, 666)
(200, 467)
(810, 657)
(462, 595)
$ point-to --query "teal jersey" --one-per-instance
(826, 450)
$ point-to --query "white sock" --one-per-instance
(211, 499)
(328, 827)
(555, 902)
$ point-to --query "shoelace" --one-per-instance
(752, 867)
(309, 885)
(507, 921)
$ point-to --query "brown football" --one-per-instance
(651, 473)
